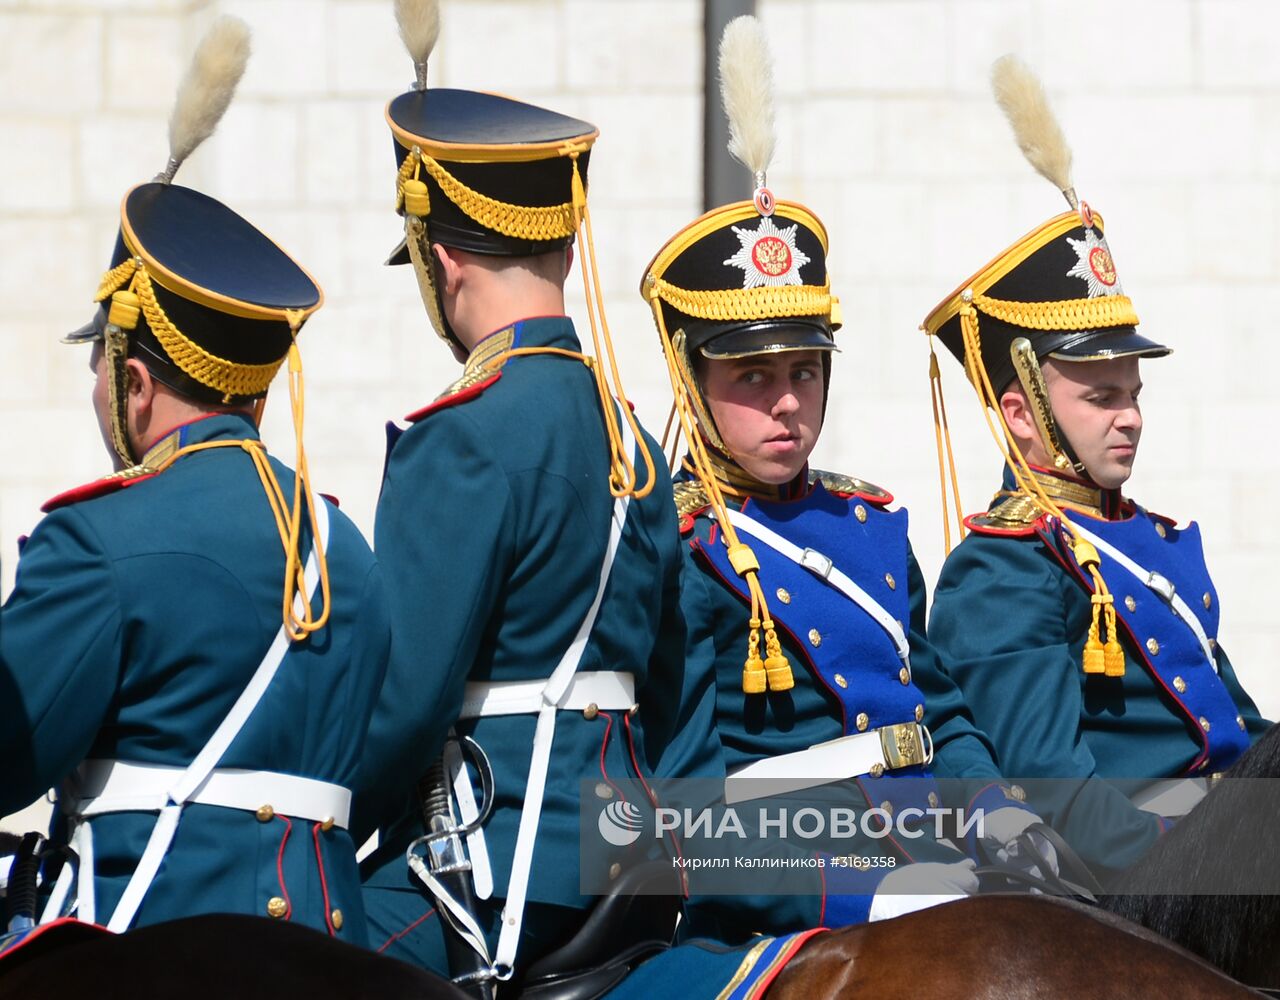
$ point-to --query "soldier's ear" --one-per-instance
(448, 269)
(142, 387)
(1017, 414)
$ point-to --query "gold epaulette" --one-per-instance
(691, 497)
(836, 482)
(1013, 512)
(482, 364)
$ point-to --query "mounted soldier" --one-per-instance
(531, 555)
(1093, 652)
(194, 643)
(806, 575)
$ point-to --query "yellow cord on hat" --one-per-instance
(539, 223)
(123, 313)
(942, 433)
(773, 671)
(1100, 657)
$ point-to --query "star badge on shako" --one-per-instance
(1095, 266)
(768, 255)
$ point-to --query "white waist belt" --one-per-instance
(112, 786)
(1173, 798)
(885, 749)
(608, 689)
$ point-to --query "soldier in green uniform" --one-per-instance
(1081, 627)
(530, 551)
(194, 644)
(806, 575)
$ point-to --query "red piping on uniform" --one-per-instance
(653, 799)
(284, 891)
(399, 934)
(324, 883)
(604, 745)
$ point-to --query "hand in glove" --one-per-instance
(915, 887)
(1004, 826)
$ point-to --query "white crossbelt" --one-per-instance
(187, 782)
(1158, 585)
(112, 786)
(551, 698)
(824, 763)
(821, 566)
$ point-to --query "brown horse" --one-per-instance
(1001, 948)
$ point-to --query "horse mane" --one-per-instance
(1199, 884)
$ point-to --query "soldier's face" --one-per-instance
(1095, 404)
(768, 409)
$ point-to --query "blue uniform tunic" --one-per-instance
(491, 529)
(848, 676)
(136, 621)
(1011, 615)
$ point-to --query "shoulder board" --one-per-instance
(835, 482)
(98, 488)
(466, 388)
(1168, 522)
(690, 496)
(1015, 514)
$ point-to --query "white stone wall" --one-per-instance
(886, 131)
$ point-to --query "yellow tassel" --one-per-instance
(416, 199)
(777, 667)
(1094, 656)
(125, 310)
(753, 671)
(1114, 654)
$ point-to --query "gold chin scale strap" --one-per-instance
(1100, 656)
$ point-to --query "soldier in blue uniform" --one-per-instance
(530, 552)
(1081, 627)
(808, 576)
(178, 652)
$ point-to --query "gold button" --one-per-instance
(784, 595)
(919, 713)
(335, 918)
(591, 711)
(603, 791)
(1203, 765)
(860, 512)
(1208, 600)
(815, 638)
(862, 721)
(327, 824)
(1153, 646)
(1213, 645)
(1130, 603)
(904, 675)
(887, 807)
(1179, 685)
(841, 681)
(615, 870)
(1240, 723)
(933, 800)
(277, 907)
(1018, 793)
(634, 709)
(1204, 724)
(893, 584)
(1160, 529)
(876, 770)
(265, 814)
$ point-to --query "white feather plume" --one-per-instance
(419, 22)
(1022, 98)
(746, 88)
(206, 90)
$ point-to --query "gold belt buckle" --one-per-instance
(902, 745)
